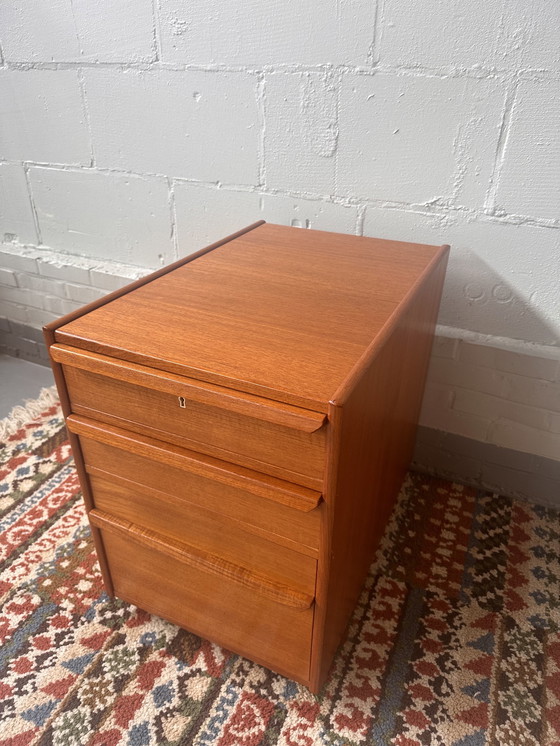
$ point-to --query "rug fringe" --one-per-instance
(24, 413)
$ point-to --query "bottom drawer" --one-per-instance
(158, 575)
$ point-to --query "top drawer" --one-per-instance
(270, 437)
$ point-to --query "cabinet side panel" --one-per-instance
(376, 430)
(62, 389)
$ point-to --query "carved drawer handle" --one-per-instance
(249, 405)
(206, 561)
(272, 488)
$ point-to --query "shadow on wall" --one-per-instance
(478, 298)
(502, 278)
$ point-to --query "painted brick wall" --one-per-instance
(132, 133)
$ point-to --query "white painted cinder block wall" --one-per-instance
(133, 132)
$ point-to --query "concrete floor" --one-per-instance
(20, 380)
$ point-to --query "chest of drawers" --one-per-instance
(241, 422)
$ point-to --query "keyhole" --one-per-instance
(182, 402)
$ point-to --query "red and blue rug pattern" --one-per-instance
(455, 640)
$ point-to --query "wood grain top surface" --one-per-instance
(280, 312)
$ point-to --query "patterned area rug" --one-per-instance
(455, 640)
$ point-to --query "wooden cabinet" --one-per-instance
(241, 422)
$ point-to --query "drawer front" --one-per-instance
(285, 452)
(160, 581)
(204, 530)
(156, 474)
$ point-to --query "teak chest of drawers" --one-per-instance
(241, 422)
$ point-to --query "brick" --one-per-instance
(445, 347)
(197, 229)
(524, 438)
(528, 182)
(453, 373)
(115, 32)
(8, 277)
(416, 226)
(198, 125)
(425, 456)
(428, 437)
(39, 318)
(26, 347)
(538, 47)
(17, 295)
(445, 453)
(67, 31)
(59, 306)
(27, 297)
(417, 139)
(554, 422)
(543, 394)
(544, 491)
(449, 420)
(455, 466)
(107, 281)
(475, 402)
(7, 342)
(28, 332)
(549, 468)
(263, 34)
(501, 279)
(83, 293)
(309, 213)
(525, 462)
(510, 361)
(33, 104)
(473, 449)
(35, 31)
(408, 225)
(301, 132)
(503, 470)
(206, 214)
(41, 284)
(482, 33)
(44, 358)
(22, 348)
(436, 397)
(18, 259)
(508, 481)
(5, 324)
(16, 216)
(64, 272)
(105, 216)
(13, 311)
(35, 299)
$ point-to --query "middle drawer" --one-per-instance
(166, 488)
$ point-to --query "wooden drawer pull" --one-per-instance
(199, 391)
(271, 488)
(202, 560)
